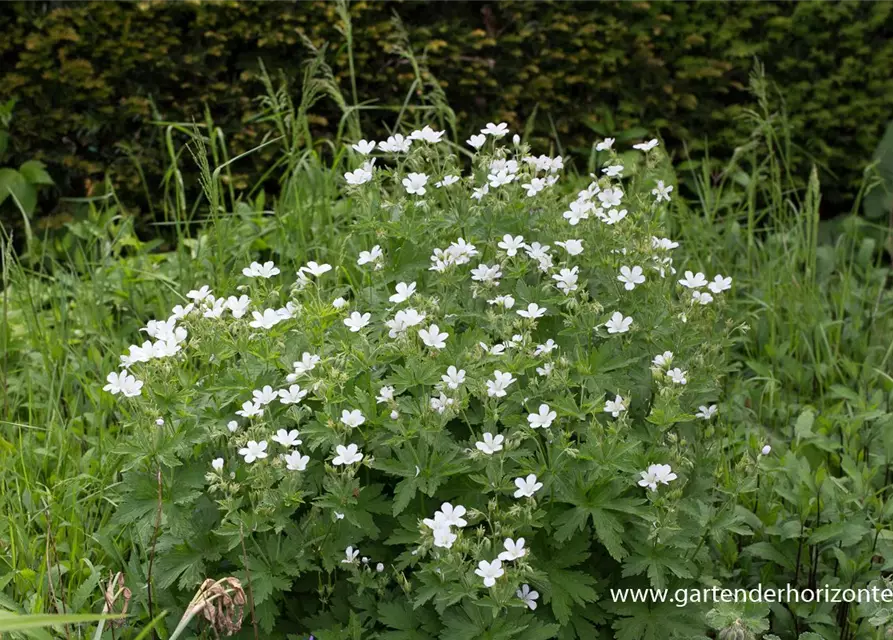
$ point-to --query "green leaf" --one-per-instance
(569, 588)
(34, 172)
(15, 186)
(878, 202)
(10, 622)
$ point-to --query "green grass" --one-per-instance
(813, 300)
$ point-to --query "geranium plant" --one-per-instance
(467, 417)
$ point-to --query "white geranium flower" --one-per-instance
(496, 387)
(646, 146)
(701, 297)
(293, 395)
(547, 347)
(720, 284)
(427, 134)
(353, 418)
(705, 412)
(217, 464)
(414, 183)
(610, 197)
(476, 141)
(573, 247)
(663, 359)
(254, 451)
(486, 274)
(350, 555)
(510, 244)
(447, 181)
(441, 403)
(525, 593)
(453, 377)
(605, 144)
(385, 394)
(566, 280)
(358, 176)
(534, 186)
(630, 277)
(250, 410)
(677, 375)
(402, 321)
(618, 323)
(233, 426)
(656, 474)
(258, 270)
(197, 295)
(444, 538)
(395, 144)
(266, 320)
(495, 130)
(533, 311)
(347, 455)
(287, 438)
(357, 321)
(306, 364)
(294, 461)
(364, 147)
(238, 306)
(315, 269)
(490, 571)
(514, 549)
(264, 396)
(527, 487)
(661, 191)
(613, 171)
(614, 216)
(480, 192)
(693, 280)
(339, 303)
(451, 516)
(543, 419)
(615, 406)
(123, 383)
(490, 444)
(578, 210)
(506, 302)
(375, 255)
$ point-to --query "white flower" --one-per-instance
(197, 295)
(573, 247)
(631, 277)
(693, 280)
(705, 412)
(665, 244)
(306, 364)
(123, 383)
(610, 197)
(254, 451)
(375, 254)
(451, 516)
(530, 597)
(293, 395)
(250, 410)
(238, 306)
(347, 455)
(579, 210)
(766, 450)
(444, 538)
(402, 321)
(379, 567)
(661, 191)
(613, 171)
(447, 181)
(566, 280)
(315, 269)
(427, 134)
(350, 555)
(510, 244)
(495, 130)
(258, 270)
(287, 438)
(499, 178)
(396, 144)
(677, 375)
(359, 176)
(352, 419)
(546, 347)
(506, 302)
(357, 321)
(533, 311)
(615, 406)
(385, 394)
(217, 464)
(514, 549)
(489, 571)
(480, 192)
(216, 308)
(720, 284)
(486, 274)
(339, 302)
(339, 516)
(656, 474)
(618, 324)
(394, 415)
(534, 186)
(264, 396)
(604, 145)
(614, 216)
(496, 387)
(491, 444)
(414, 183)
(441, 403)
(545, 370)
(527, 486)
(476, 141)
(701, 297)
(233, 426)
(364, 147)
(543, 419)
(663, 359)
(453, 377)
(294, 461)
(646, 146)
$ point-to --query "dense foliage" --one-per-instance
(91, 78)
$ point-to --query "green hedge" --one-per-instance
(90, 76)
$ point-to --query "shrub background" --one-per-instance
(90, 77)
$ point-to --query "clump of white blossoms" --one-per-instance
(490, 343)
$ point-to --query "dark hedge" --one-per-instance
(89, 77)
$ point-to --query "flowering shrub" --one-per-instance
(468, 417)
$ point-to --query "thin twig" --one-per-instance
(248, 576)
(152, 553)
